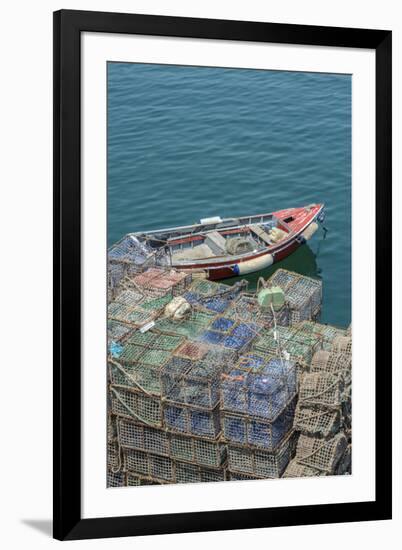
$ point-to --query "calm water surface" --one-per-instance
(186, 143)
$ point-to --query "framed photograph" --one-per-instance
(222, 274)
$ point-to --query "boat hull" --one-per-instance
(251, 265)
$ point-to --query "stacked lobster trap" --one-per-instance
(216, 394)
(257, 407)
(323, 415)
(165, 401)
(287, 342)
(303, 294)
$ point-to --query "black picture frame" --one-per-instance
(68, 26)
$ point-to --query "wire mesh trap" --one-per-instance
(113, 456)
(336, 363)
(235, 476)
(315, 421)
(196, 383)
(115, 479)
(303, 294)
(342, 344)
(136, 405)
(324, 332)
(246, 308)
(136, 480)
(256, 431)
(163, 469)
(192, 421)
(258, 386)
(149, 465)
(344, 466)
(322, 454)
(178, 447)
(295, 469)
(321, 389)
(192, 473)
(258, 462)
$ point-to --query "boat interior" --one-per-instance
(216, 238)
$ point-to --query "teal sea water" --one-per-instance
(186, 143)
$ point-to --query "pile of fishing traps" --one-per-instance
(323, 415)
(230, 391)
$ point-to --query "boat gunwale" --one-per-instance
(214, 225)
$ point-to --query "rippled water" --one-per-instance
(186, 143)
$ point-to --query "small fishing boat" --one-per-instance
(222, 248)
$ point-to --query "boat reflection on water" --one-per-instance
(303, 261)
